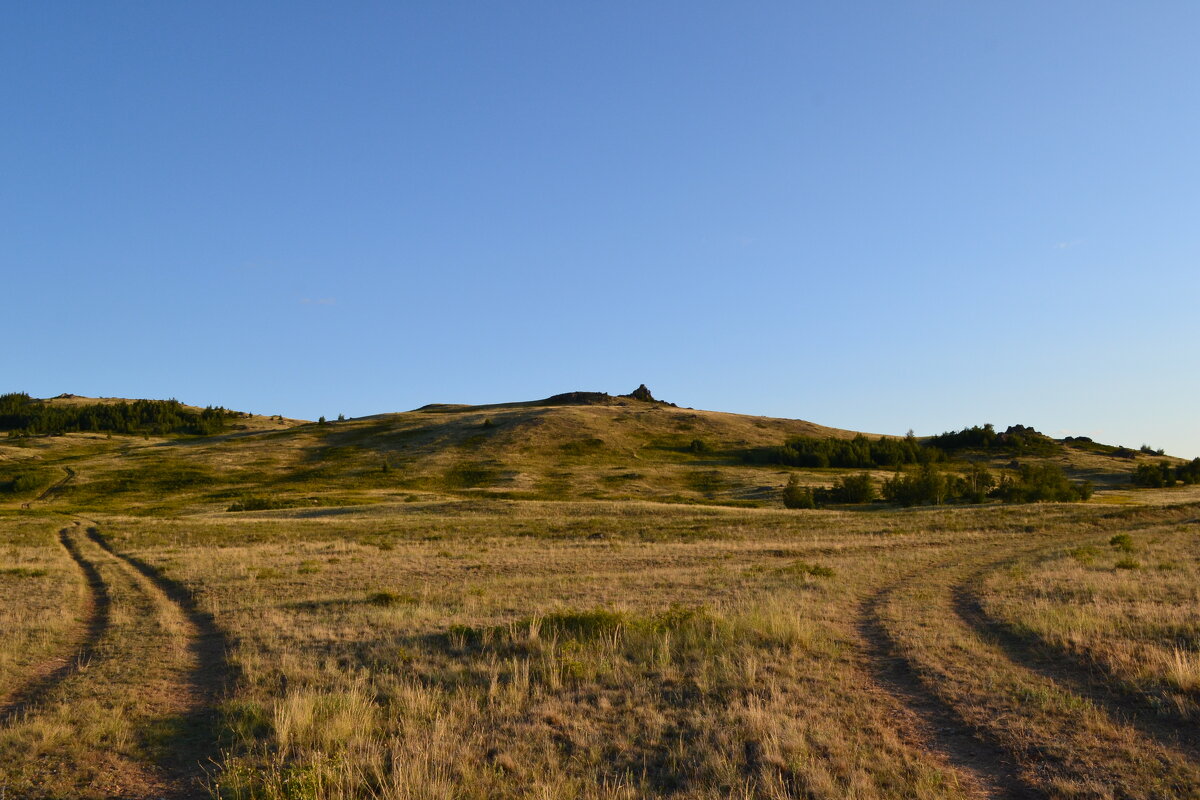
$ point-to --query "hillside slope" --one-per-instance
(574, 446)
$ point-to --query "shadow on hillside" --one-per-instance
(218, 438)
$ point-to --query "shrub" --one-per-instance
(1122, 542)
(797, 496)
(27, 481)
(854, 489)
(1041, 482)
(1085, 554)
(847, 489)
(972, 487)
(386, 599)
(1128, 563)
(584, 624)
(859, 452)
(924, 485)
(1154, 476)
(1017, 439)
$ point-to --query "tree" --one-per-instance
(1041, 482)
(854, 489)
(977, 483)
(1189, 473)
(1154, 476)
(920, 486)
(797, 496)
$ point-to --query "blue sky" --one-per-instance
(877, 216)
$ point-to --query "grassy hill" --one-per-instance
(579, 445)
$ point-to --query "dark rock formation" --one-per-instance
(643, 394)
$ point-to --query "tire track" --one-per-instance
(192, 737)
(984, 766)
(1088, 681)
(92, 712)
(1044, 739)
(97, 620)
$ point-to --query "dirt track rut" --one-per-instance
(96, 616)
(140, 691)
(983, 768)
(1012, 726)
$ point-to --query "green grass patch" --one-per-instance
(707, 482)
(24, 572)
(805, 569)
(1084, 555)
(471, 476)
(582, 447)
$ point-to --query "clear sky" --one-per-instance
(877, 216)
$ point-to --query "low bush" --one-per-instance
(1041, 483)
(386, 598)
(797, 496)
(928, 485)
(29, 480)
(859, 452)
(849, 489)
(1162, 474)
(1122, 542)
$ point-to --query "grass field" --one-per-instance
(503, 618)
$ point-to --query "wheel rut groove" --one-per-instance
(192, 737)
(1083, 679)
(97, 620)
(985, 765)
(1062, 747)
